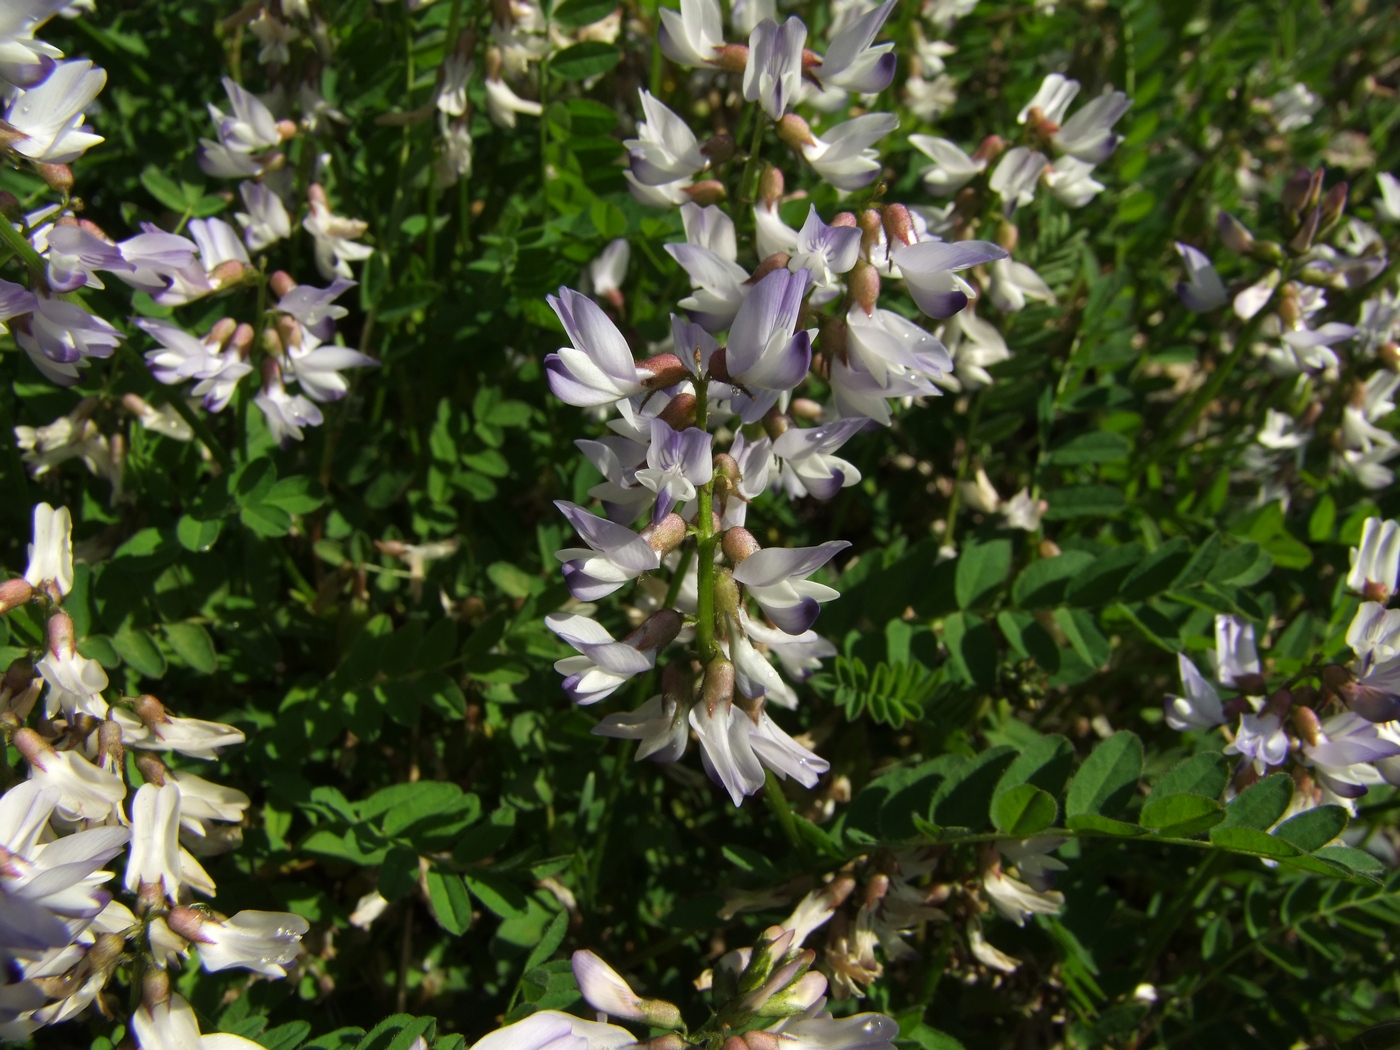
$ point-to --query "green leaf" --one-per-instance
(193, 645)
(1154, 574)
(584, 60)
(499, 895)
(1095, 446)
(195, 535)
(972, 649)
(1083, 501)
(1098, 583)
(549, 943)
(1023, 811)
(449, 900)
(434, 798)
(513, 581)
(981, 567)
(178, 197)
(1260, 805)
(266, 519)
(406, 300)
(574, 13)
(1322, 522)
(964, 798)
(1313, 828)
(1108, 777)
(608, 219)
(398, 874)
(1041, 584)
(286, 1036)
(1251, 840)
(1084, 635)
(1357, 860)
(1205, 774)
(295, 495)
(1046, 763)
(1181, 814)
(139, 651)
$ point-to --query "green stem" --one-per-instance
(778, 803)
(183, 410)
(706, 538)
(747, 191)
(19, 244)
(678, 579)
(950, 524)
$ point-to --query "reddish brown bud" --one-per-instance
(10, 207)
(719, 684)
(732, 58)
(229, 272)
(188, 923)
(720, 148)
(222, 331)
(1306, 722)
(1251, 684)
(242, 339)
(150, 710)
(735, 1042)
(795, 132)
(666, 370)
(151, 768)
(1233, 234)
(770, 185)
(863, 284)
(758, 1039)
(155, 988)
(706, 192)
(775, 423)
(1295, 192)
(719, 366)
(110, 752)
(667, 534)
(281, 282)
(657, 631)
(990, 148)
(871, 223)
(286, 129)
(679, 412)
(844, 218)
(776, 261)
(14, 593)
(805, 408)
(738, 543)
(1333, 205)
(899, 225)
(1334, 679)
(61, 637)
(58, 177)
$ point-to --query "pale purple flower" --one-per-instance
(1016, 176)
(773, 74)
(155, 257)
(665, 149)
(244, 134)
(1345, 742)
(1375, 565)
(677, 462)
(264, 941)
(801, 655)
(1071, 182)
(1235, 653)
(755, 462)
(852, 63)
(659, 725)
(710, 228)
(336, 239)
(807, 464)
(1088, 135)
(1052, 98)
(952, 168)
(75, 254)
(614, 555)
(266, 221)
(770, 232)
(718, 285)
(604, 664)
(315, 308)
(930, 270)
(597, 369)
(1262, 739)
(49, 117)
(317, 368)
(286, 414)
(1202, 291)
(764, 353)
(843, 156)
(725, 750)
(1200, 706)
(825, 250)
(61, 336)
(552, 1030)
(689, 37)
(1013, 283)
(776, 578)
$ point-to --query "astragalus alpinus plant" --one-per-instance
(967, 424)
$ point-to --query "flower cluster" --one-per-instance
(64, 932)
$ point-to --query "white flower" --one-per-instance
(266, 221)
(86, 792)
(604, 664)
(264, 941)
(604, 989)
(155, 840)
(1293, 107)
(49, 117)
(554, 1030)
(336, 237)
(244, 136)
(1052, 99)
(1388, 203)
(1375, 566)
(776, 578)
(1070, 181)
(452, 94)
(952, 168)
(171, 1025)
(987, 954)
(689, 37)
(503, 104)
(51, 553)
(842, 155)
(1200, 707)
(1262, 739)
(1016, 176)
(367, 909)
(1017, 901)
(1013, 283)
(24, 61)
(773, 73)
(659, 725)
(273, 35)
(665, 149)
(286, 414)
(604, 275)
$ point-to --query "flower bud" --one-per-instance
(287, 130)
(735, 1042)
(719, 366)
(289, 328)
(863, 284)
(58, 177)
(706, 192)
(1389, 353)
(61, 636)
(188, 923)
(805, 408)
(679, 412)
(1302, 241)
(726, 594)
(794, 131)
(31, 746)
(150, 710)
(1333, 206)
(281, 282)
(738, 543)
(732, 58)
(899, 226)
(990, 148)
(242, 339)
(666, 370)
(719, 684)
(770, 185)
(1305, 721)
(221, 331)
(151, 768)
(775, 424)
(272, 342)
(110, 752)
(10, 207)
(14, 593)
(155, 988)
(776, 261)
(657, 631)
(871, 222)
(1270, 252)
(720, 148)
(1233, 234)
(226, 273)
(845, 218)
(667, 534)
(1251, 684)
(1295, 193)
(758, 1039)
